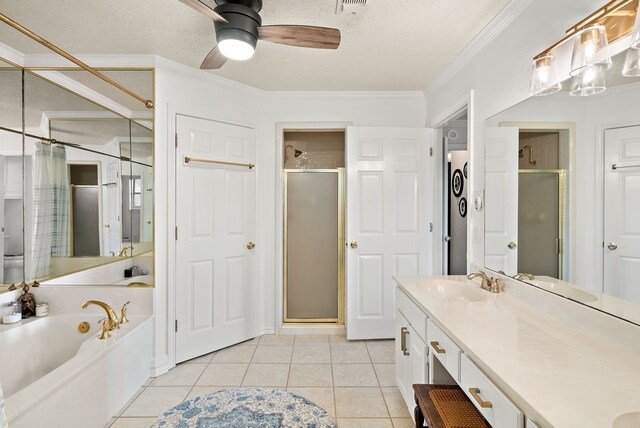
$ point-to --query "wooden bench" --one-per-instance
(445, 406)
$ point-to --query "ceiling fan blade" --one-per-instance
(204, 9)
(213, 60)
(301, 35)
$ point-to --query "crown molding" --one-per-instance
(512, 10)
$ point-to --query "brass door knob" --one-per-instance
(354, 245)
(250, 245)
(512, 245)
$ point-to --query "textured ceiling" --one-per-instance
(389, 45)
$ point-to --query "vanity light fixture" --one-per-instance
(590, 48)
(544, 76)
(590, 59)
(632, 63)
(589, 81)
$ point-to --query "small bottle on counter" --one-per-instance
(14, 314)
(42, 309)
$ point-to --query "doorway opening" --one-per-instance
(541, 202)
(455, 200)
(314, 212)
(86, 196)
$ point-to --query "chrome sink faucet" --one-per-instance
(492, 285)
(112, 318)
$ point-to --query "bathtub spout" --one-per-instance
(111, 315)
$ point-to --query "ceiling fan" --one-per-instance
(239, 27)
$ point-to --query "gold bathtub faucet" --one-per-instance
(123, 252)
(111, 315)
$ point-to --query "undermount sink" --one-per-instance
(445, 289)
(627, 420)
(565, 290)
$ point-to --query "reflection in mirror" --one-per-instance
(74, 170)
(12, 248)
(563, 194)
(137, 185)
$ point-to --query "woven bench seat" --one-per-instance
(445, 406)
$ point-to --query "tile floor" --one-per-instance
(353, 381)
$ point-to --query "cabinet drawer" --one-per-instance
(444, 349)
(412, 313)
(499, 411)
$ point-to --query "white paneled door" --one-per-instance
(216, 223)
(621, 213)
(501, 199)
(112, 223)
(387, 177)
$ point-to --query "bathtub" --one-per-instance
(52, 375)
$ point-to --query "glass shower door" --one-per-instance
(313, 246)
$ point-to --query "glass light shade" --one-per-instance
(236, 49)
(545, 79)
(590, 47)
(589, 81)
(632, 63)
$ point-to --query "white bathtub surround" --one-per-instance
(562, 364)
(60, 377)
(3, 416)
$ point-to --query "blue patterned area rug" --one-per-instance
(246, 408)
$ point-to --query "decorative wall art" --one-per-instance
(462, 207)
(457, 183)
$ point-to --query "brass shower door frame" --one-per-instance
(341, 244)
(562, 183)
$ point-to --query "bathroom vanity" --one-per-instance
(525, 357)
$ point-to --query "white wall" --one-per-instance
(497, 66)
(183, 90)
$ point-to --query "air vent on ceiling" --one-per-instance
(350, 5)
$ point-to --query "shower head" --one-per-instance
(296, 153)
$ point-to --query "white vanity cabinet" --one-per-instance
(411, 348)
(497, 409)
(426, 354)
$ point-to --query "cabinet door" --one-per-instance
(418, 356)
(403, 361)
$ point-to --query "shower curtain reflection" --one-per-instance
(50, 207)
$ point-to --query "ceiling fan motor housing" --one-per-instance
(243, 21)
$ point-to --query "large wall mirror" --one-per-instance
(76, 192)
(562, 197)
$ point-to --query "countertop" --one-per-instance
(558, 374)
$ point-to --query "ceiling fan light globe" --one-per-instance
(237, 50)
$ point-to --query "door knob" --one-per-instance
(447, 238)
(354, 245)
(250, 245)
(107, 225)
(612, 246)
(512, 245)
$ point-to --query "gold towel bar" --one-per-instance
(187, 159)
